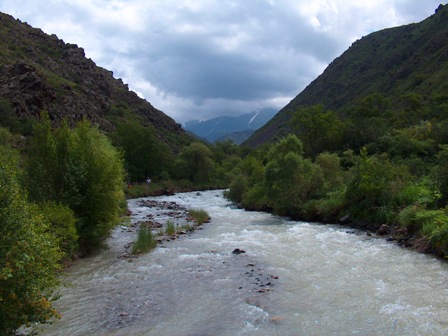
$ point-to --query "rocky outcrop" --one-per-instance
(41, 72)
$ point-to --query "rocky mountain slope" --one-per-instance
(392, 62)
(41, 72)
(237, 128)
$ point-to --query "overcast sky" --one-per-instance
(197, 59)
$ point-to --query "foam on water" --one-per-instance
(331, 281)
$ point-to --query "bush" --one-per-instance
(408, 218)
(255, 199)
(325, 209)
(435, 228)
(237, 189)
(63, 226)
(376, 187)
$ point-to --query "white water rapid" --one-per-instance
(294, 278)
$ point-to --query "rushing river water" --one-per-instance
(293, 279)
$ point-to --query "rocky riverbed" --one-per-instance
(248, 275)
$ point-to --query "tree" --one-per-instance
(99, 175)
(82, 170)
(317, 128)
(376, 187)
(290, 180)
(144, 154)
(332, 171)
(195, 163)
(29, 256)
(440, 173)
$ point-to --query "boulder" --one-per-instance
(384, 230)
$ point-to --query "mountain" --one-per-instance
(405, 65)
(237, 128)
(41, 72)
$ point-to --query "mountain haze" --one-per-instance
(236, 128)
(393, 63)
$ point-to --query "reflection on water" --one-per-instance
(294, 279)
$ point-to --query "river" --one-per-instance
(294, 278)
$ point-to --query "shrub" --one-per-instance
(435, 228)
(376, 187)
(237, 188)
(408, 218)
(326, 209)
(63, 226)
(255, 198)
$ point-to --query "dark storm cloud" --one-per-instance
(199, 59)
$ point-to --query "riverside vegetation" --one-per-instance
(377, 160)
(146, 240)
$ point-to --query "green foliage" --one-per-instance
(200, 216)
(318, 129)
(195, 163)
(435, 227)
(82, 170)
(29, 257)
(225, 171)
(333, 174)
(98, 174)
(144, 155)
(222, 150)
(407, 142)
(289, 178)
(237, 188)
(63, 226)
(407, 218)
(440, 173)
(255, 198)
(375, 186)
(145, 241)
(170, 228)
(433, 224)
(422, 193)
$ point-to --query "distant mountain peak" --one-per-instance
(219, 128)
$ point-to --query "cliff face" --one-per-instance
(41, 72)
(392, 62)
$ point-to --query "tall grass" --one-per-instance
(145, 241)
(170, 229)
(200, 216)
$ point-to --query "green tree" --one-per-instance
(99, 176)
(318, 129)
(29, 256)
(144, 154)
(195, 163)
(334, 175)
(82, 170)
(375, 189)
(440, 173)
(62, 222)
(370, 119)
(290, 180)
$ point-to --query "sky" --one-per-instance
(198, 59)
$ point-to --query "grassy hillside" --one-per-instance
(406, 66)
